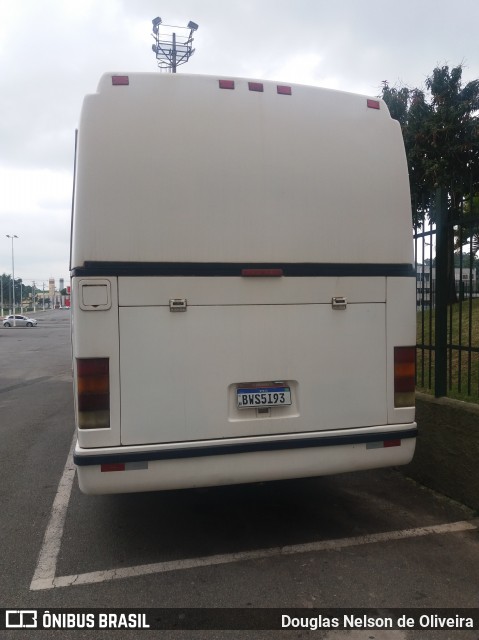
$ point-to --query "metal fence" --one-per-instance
(447, 299)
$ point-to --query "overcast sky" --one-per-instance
(52, 52)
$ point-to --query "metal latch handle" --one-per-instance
(339, 303)
(178, 304)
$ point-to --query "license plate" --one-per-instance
(263, 398)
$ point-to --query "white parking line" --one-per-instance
(45, 573)
(47, 559)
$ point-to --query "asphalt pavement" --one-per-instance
(374, 540)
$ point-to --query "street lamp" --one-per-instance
(13, 279)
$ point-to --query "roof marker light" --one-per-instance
(283, 90)
(120, 80)
(226, 84)
(374, 104)
(255, 86)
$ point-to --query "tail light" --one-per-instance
(404, 376)
(93, 393)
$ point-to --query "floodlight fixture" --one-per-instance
(156, 24)
(171, 48)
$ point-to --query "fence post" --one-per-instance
(440, 323)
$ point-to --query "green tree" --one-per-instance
(471, 209)
(440, 126)
(6, 287)
(466, 260)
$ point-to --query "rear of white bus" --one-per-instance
(242, 284)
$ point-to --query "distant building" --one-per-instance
(51, 289)
(466, 283)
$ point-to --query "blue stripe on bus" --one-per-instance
(81, 459)
(225, 269)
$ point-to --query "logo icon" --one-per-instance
(21, 619)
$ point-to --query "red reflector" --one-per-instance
(226, 84)
(265, 273)
(392, 443)
(255, 86)
(283, 90)
(113, 466)
(374, 104)
(120, 80)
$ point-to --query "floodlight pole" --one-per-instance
(173, 54)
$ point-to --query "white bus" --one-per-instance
(243, 290)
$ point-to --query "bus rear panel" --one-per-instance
(242, 284)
